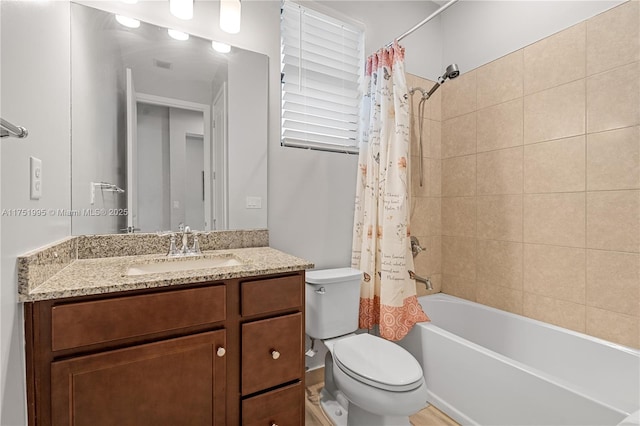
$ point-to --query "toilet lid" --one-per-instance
(378, 362)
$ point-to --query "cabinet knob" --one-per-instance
(274, 424)
(275, 354)
(221, 351)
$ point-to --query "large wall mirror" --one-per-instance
(164, 131)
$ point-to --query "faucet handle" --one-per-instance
(195, 249)
(173, 250)
(181, 227)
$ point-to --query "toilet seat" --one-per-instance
(378, 363)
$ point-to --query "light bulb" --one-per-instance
(220, 47)
(178, 35)
(128, 22)
(182, 9)
(230, 11)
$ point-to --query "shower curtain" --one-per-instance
(381, 234)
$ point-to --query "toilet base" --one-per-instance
(334, 410)
(343, 413)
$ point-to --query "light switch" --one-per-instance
(35, 166)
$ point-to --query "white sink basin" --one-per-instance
(177, 265)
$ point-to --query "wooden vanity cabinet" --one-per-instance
(219, 353)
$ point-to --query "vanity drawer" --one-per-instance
(87, 323)
(262, 296)
(271, 352)
(282, 407)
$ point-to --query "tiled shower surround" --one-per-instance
(531, 200)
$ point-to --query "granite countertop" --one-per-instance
(57, 271)
(105, 275)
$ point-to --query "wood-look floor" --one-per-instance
(314, 416)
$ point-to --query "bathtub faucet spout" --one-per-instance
(425, 281)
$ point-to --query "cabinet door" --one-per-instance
(173, 382)
(272, 352)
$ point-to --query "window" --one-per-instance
(322, 63)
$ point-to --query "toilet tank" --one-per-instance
(332, 302)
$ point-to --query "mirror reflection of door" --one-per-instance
(194, 175)
(172, 162)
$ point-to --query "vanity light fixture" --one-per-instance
(230, 11)
(177, 35)
(220, 47)
(182, 9)
(128, 22)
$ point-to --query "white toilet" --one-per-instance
(368, 380)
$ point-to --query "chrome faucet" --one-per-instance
(185, 230)
(185, 238)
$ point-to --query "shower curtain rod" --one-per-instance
(9, 129)
(424, 21)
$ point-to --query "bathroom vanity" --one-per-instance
(212, 346)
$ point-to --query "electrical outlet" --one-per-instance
(254, 202)
(35, 166)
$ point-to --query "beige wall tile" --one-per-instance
(559, 312)
(416, 189)
(613, 281)
(613, 99)
(556, 272)
(555, 60)
(429, 261)
(459, 216)
(500, 172)
(435, 147)
(415, 137)
(435, 177)
(613, 38)
(500, 217)
(555, 113)
(613, 220)
(459, 136)
(556, 166)
(617, 328)
(500, 126)
(500, 80)
(499, 297)
(500, 263)
(420, 218)
(435, 255)
(464, 288)
(459, 176)
(459, 257)
(459, 96)
(613, 159)
(436, 105)
(557, 219)
(434, 216)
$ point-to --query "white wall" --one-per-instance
(386, 20)
(247, 150)
(35, 94)
(97, 121)
(477, 32)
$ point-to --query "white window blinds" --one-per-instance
(322, 60)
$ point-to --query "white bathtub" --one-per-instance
(485, 366)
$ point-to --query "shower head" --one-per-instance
(451, 72)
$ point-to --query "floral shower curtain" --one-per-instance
(381, 235)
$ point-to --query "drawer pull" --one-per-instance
(274, 424)
(275, 354)
(221, 351)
